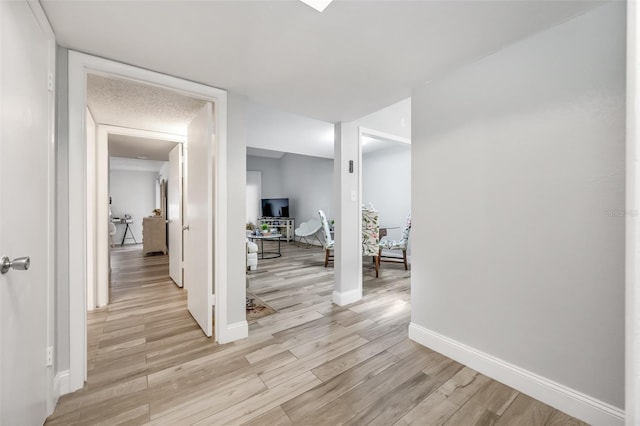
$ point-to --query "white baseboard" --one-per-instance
(233, 332)
(61, 384)
(570, 401)
(347, 297)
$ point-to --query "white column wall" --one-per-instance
(348, 259)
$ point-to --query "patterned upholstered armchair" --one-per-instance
(328, 241)
(400, 244)
(371, 236)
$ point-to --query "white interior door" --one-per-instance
(198, 238)
(174, 214)
(25, 209)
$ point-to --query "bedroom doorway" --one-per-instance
(80, 65)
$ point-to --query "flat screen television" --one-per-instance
(275, 207)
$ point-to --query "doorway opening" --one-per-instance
(386, 187)
(135, 134)
(81, 194)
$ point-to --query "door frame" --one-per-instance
(632, 221)
(80, 65)
(176, 187)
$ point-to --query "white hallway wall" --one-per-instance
(518, 184)
(134, 193)
(276, 130)
(394, 119)
(236, 178)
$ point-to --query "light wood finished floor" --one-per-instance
(310, 363)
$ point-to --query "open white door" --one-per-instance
(26, 206)
(198, 236)
(174, 214)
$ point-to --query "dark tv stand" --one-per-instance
(284, 225)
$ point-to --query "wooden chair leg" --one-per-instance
(326, 258)
(376, 261)
(404, 255)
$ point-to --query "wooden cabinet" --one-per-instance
(154, 235)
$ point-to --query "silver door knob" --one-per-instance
(185, 228)
(19, 263)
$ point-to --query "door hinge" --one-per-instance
(50, 82)
(49, 356)
(213, 300)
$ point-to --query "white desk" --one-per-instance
(127, 222)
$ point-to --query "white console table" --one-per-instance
(284, 225)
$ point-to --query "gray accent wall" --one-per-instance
(271, 175)
(306, 181)
(518, 193)
(309, 181)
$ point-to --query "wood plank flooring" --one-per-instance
(310, 363)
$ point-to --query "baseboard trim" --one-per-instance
(347, 297)
(233, 332)
(570, 401)
(61, 384)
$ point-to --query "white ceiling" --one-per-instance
(124, 103)
(372, 144)
(137, 147)
(275, 130)
(267, 153)
(133, 105)
(354, 58)
(133, 164)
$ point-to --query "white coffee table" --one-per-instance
(262, 238)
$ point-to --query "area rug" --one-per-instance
(256, 308)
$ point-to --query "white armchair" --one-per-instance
(252, 256)
(328, 241)
(308, 229)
